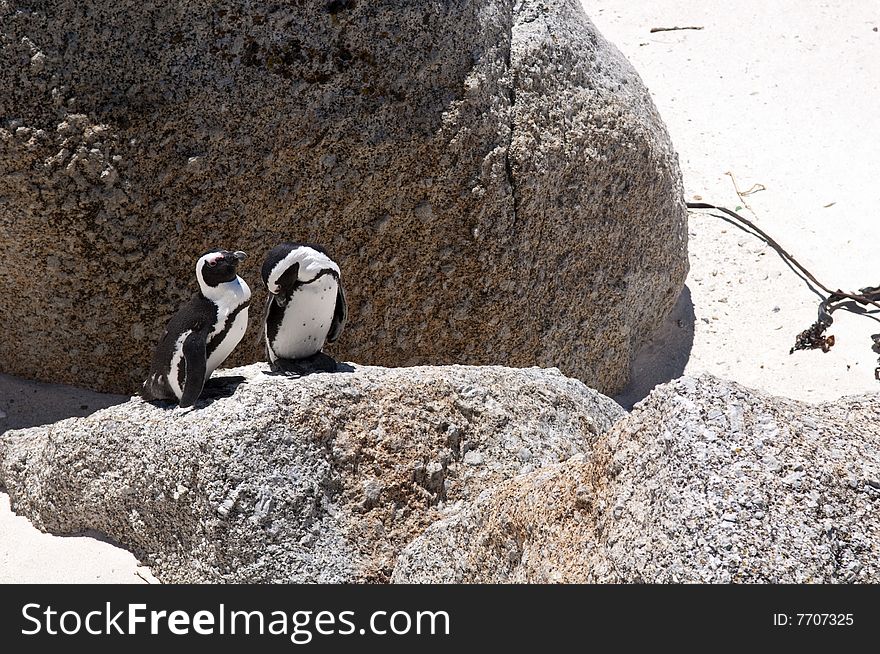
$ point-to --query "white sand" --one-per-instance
(784, 94)
(780, 93)
(30, 556)
(27, 555)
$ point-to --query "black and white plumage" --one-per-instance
(306, 305)
(202, 333)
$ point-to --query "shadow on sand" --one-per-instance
(25, 403)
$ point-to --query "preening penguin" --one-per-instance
(202, 333)
(305, 309)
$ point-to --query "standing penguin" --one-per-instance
(305, 309)
(202, 333)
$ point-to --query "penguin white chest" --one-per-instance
(231, 338)
(306, 321)
(232, 317)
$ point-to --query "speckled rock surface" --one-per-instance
(534, 528)
(706, 481)
(323, 478)
(485, 172)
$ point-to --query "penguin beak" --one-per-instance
(239, 255)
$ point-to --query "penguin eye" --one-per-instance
(212, 263)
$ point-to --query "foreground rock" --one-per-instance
(705, 482)
(483, 170)
(323, 478)
(534, 528)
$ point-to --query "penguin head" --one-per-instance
(290, 264)
(217, 267)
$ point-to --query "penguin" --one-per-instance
(305, 308)
(202, 333)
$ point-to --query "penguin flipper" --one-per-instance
(340, 316)
(195, 359)
(261, 337)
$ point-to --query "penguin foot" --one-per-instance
(224, 382)
(316, 363)
(219, 387)
(222, 386)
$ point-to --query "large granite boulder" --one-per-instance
(706, 481)
(492, 176)
(323, 478)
